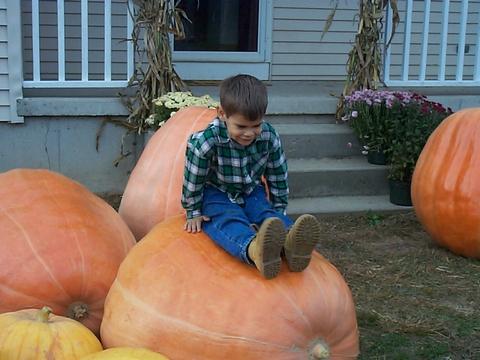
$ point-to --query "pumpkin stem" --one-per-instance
(43, 314)
(77, 311)
(319, 351)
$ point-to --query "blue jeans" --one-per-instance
(230, 224)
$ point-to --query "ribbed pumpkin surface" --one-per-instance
(61, 245)
(446, 184)
(181, 295)
(125, 353)
(28, 335)
(154, 189)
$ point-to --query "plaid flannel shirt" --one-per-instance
(213, 158)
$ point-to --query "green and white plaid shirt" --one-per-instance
(213, 158)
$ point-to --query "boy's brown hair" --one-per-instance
(245, 95)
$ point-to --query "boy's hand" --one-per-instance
(194, 225)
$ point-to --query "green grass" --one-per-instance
(414, 300)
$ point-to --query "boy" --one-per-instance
(223, 191)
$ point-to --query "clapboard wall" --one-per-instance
(298, 50)
(4, 81)
(300, 53)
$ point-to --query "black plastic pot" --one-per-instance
(400, 192)
(376, 157)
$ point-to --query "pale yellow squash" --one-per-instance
(34, 334)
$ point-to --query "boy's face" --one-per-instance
(241, 129)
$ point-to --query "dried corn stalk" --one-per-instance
(154, 75)
(365, 58)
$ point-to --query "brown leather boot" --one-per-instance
(302, 238)
(266, 247)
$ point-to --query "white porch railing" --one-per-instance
(85, 82)
(446, 64)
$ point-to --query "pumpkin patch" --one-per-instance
(181, 295)
(445, 184)
(61, 245)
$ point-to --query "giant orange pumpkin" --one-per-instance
(125, 353)
(60, 245)
(181, 295)
(446, 184)
(154, 189)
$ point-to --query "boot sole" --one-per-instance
(271, 236)
(303, 237)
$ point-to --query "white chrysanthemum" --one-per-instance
(169, 104)
(150, 120)
(176, 100)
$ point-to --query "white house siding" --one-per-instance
(298, 52)
(4, 82)
(435, 30)
(49, 45)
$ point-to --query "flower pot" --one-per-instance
(400, 192)
(376, 157)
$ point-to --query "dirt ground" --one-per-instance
(414, 300)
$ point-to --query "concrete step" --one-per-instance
(340, 205)
(291, 97)
(300, 119)
(318, 140)
(312, 103)
(336, 176)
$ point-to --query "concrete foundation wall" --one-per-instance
(68, 145)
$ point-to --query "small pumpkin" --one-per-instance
(33, 334)
(181, 295)
(154, 189)
(61, 245)
(446, 184)
(125, 353)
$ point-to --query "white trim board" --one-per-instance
(220, 71)
(15, 75)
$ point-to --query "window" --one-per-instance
(229, 25)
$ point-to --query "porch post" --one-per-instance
(476, 71)
(444, 41)
(461, 41)
(407, 40)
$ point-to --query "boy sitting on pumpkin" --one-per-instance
(223, 191)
